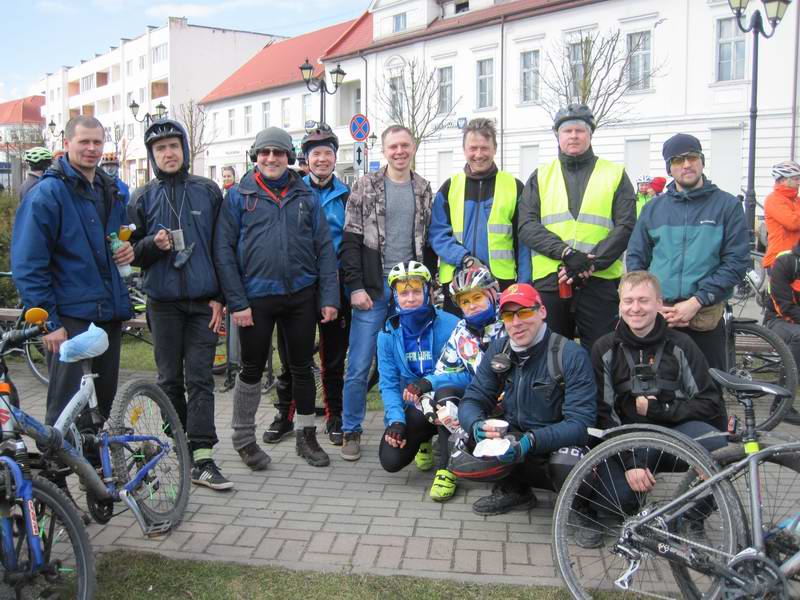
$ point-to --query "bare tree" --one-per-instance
(598, 70)
(195, 118)
(410, 96)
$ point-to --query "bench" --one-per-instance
(12, 314)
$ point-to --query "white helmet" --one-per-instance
(785, 170)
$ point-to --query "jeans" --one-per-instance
(184, 348)
(364, 329)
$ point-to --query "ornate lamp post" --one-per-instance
(161, 111)
(319, 84)
(52, 127)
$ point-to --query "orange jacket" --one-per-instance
(782, 216)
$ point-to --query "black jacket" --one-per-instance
(785, 271)
(576, 170)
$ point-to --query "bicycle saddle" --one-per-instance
(92, 342)
(740, 384)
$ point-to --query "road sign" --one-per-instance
(374, 165)
(359, 156)
(359, 127)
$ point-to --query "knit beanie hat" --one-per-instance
(679, 144)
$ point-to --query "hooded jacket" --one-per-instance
(333, 200)
(463, 353)
(782, 217)
(60, 257)
(265, 249)
(158, 204)
(784, 278)
(695, 242)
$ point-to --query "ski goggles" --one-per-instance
(413, 283)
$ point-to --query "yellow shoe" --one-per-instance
(444, 486)
(424, 457)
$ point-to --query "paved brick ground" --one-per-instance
(349, 517)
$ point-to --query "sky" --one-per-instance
(38, 36)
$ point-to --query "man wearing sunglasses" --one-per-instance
(547, 412)
(693, 238)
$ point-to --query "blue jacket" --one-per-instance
(60, 257)
(154, 206)
(532, 401)
(262, 249)
(333, 199)
(695, 242)
(124, 190)
(393, 368)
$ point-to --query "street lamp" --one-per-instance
(774, 9)
(117, 138)
(52, 127)
(372, 139)
(161, 111)
(319, 84)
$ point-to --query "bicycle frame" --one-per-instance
(23, 489)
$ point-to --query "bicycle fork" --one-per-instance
(23, 489)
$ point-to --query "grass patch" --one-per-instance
(122, 575)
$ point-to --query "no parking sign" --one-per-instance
(359, 127)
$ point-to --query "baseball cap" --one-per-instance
(523, 294)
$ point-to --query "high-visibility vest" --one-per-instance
(594, 220)
(499, 230)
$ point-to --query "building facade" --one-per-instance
(21, 128)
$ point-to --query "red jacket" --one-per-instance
(782, 216)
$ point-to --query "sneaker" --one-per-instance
(588, 531)
(424, 457)
(206, 472)
(334, 430)
(278, 429)
(505, 497)
(351, 447)
(308, 447)
(444, 486)
(254, 457)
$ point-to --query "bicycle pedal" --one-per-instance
(158, 528)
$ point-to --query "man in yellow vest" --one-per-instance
(474, 218)
(576, 214)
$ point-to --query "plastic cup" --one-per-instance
(497, 425)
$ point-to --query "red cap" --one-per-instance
(658, 184)
(523, 294)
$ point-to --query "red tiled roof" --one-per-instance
(357, 36)
(278, 64)
(22, 110)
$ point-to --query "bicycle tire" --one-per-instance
(37, 359)
(144, 409)
(64, 539)
(589, 572)
(759, 353)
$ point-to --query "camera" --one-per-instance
(644, 380)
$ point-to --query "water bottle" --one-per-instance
(791, 524)
(116, 243)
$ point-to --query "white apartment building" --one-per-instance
(168, 65)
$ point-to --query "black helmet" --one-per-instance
(161, 129)
(462, 464)
(573, 112)
(321, 135)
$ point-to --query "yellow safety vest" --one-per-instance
(594, 220)
(499, 231)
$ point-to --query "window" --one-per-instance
(215, 123)
(264, 115)
(130, 131)
(396, 96)
(129, 99)
(141, 95)
(129, 68)
(285, 112)
(486, 83)
(248, 119)
(212, 173)
(357, 101)
(577, 61)
(307, 116)
(52, 95)
(730, 50)
(462, 7)
(142, 62)
(115, 103)
(231, 122)
(399, 23)
(445, 77)
(529, 76)
(159, 53)
(87, 83)
(639, 65)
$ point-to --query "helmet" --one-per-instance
(644, 179)
(786, 169)
(321, 135)
(37, 154)
(109, 158)
(463, 465)
(408, 270)
(474, 279)
(573, 112)
(162, 129)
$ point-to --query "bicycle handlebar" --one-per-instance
(17, 337)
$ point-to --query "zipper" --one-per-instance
(475, 220)
(683, 254)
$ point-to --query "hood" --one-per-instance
(184, 144)
(700, 193)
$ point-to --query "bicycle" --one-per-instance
(692, 523)
(143, 452)
(35, 354)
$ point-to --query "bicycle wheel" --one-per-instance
(758, 353)
(595, 497)
(37, 358)
(69, 569)
(143, 409)
(779, 489)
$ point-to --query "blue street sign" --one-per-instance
(374, 165)
(359, 127)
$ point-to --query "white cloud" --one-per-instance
(51, 6)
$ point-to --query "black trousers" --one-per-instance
(184, 349)
(590, 313)
(711, 344)
(333, 342)
(296, 318)
(418, 431)
(65, 378)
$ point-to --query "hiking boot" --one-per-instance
(278, 429)
(254, 457)
(206, 472)
(444, 486)
(308, 447)
(504, 498)
(588, 531)
(424, 457)
(351, 447)
(334, 430)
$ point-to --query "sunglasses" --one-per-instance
(273, 151)
(525, 314)
(677, 161)
(409, 284)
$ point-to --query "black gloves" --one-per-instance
(576, 261)
(419, 387)
(470, 262)
(396, 431)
